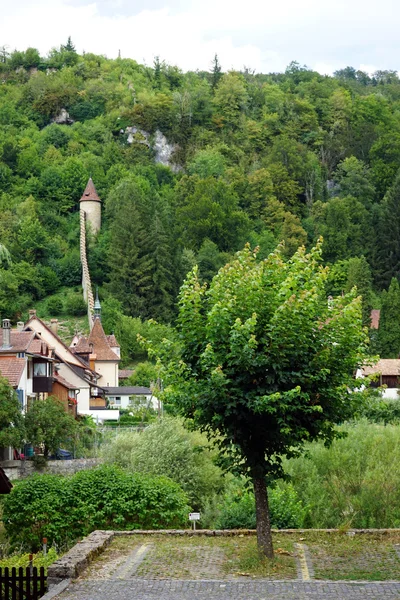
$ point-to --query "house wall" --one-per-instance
(108, 370)
(125, 400)
(53, 341)
(83, 396)
(102, 415)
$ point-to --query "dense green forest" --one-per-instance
(255, 158)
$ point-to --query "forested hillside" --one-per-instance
(258, 158)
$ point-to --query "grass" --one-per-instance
(198, 558)
(335, 556)
(370, 557)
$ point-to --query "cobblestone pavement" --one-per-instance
(225, 590)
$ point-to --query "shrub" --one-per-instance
(75, 305)
(55, 306)
(167, 448)
(64, 509)
(237, 508)
(355, 482)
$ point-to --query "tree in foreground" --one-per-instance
(265, 364)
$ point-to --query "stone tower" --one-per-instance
(90, 203)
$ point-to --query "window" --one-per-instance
(39, 369)
(20, 354)
(118, 400)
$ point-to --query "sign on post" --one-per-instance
(194, 517)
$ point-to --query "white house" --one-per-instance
(125, 397)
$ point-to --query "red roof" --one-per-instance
(112, 340)
(90, 192)
(125, 373)
(375, 317)
(20, 341)
(99, 340)
(64, 382)
(11, 368)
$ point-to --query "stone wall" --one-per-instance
(86, 281)
(20, 469)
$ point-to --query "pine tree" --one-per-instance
(359, 275)
(216, 73)
(389, 325)
(160, 301)
(388, 254)
(69, 46)
(130, 265)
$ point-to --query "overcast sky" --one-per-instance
(264, 35)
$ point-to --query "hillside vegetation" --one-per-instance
(256, 158)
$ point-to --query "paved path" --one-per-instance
(224, 590)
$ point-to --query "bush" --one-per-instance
(237, 508)
(167, 448)
(355, 482)
(55, 306)
(75, 305)
(64, 509)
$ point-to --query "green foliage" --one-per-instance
(359, 275)
(22, 560)
(236, 508)
(167, 448)
(49, 425)
(75, 305)
(64, 509)
(55, 306)
(389, 325)
(353, 482)
(144, 374)
(257, 350)
(12, 429)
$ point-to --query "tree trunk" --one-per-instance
(264, 537)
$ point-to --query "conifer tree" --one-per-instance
(389, 325)
(359, 275)
(130, 265)
(388, 264)
(160, 300)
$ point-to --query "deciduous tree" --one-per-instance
(265, 363)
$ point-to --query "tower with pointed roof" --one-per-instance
(90, 203)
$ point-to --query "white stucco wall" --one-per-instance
(108, 371)
(92, 209)
(102, 415)
(83, 397)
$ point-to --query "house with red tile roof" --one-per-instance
(26, 361)
(79, 369)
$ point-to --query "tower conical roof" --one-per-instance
(90, 192)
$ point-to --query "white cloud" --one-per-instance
(262, 34)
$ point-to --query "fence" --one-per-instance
(27, 584)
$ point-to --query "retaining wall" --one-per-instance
(20, 469)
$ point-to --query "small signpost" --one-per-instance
(194, 517)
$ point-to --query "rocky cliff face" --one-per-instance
(162, 148)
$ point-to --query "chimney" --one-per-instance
(20, 326)
(32, 313)
(92, 361)
(54, 326)
(6, 334)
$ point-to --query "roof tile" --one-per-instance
(90, 192)
(99, 340)
(12, 368)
